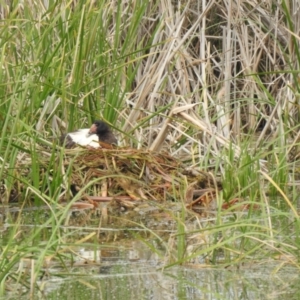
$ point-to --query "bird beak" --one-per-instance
(93, 129)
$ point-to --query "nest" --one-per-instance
(129, 175)
(124, 176)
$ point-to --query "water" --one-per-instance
(127, 259)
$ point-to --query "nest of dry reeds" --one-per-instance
(129, 175)
(125, 176)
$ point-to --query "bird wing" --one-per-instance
(83, 138)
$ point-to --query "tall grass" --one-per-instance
(213, 82)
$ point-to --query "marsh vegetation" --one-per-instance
(204, 99)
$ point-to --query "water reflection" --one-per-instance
(143, 281)
(122, 262)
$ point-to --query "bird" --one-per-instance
(99, 132)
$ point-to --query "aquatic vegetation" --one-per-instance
(203, 102)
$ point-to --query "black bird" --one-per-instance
(99, 132)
